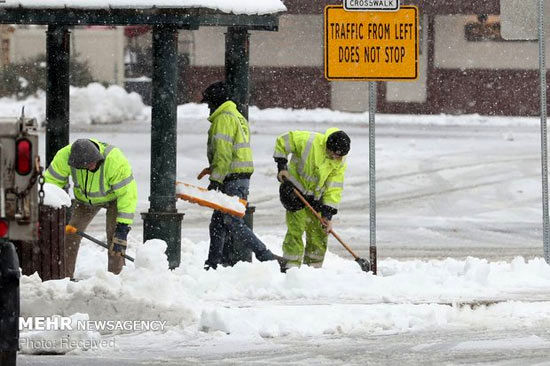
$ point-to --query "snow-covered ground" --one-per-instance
(461, 274)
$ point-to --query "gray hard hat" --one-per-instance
(84, 152)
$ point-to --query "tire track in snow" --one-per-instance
(438, 181)
(358, 182)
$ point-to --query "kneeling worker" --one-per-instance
(102, 178)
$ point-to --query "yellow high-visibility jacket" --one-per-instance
(112, 181)
(310, 168)
(228, 147)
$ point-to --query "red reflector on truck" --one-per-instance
(23, 156)
(3, 228)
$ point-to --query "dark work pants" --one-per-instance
(82, 215)
(224, 226)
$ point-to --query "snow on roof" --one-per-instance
(227, 6)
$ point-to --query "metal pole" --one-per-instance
(162, 221)
(372, 176)
(57, 90)
(237, 71)
(543, 134)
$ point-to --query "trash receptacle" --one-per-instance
(46, 256)
(51, 243)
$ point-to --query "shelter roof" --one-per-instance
(238, 7)
(184, 14)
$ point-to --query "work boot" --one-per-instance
(282, 262)
(208, 265)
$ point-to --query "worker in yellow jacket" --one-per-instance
(230, 158)
(102, 178)
(316, 169)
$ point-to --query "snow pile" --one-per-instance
(323, 115)
(148, 291)
(96, 104)
(271, 321)
(151, 256)
(93, 104)
(59, 341)
(190, 113)
(55, 197)
(114, 105)
(35, 106)
(255, 299)
(212, 199)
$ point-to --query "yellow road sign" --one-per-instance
(371, 45)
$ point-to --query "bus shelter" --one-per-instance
(166, 17)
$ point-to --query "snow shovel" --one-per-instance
(363, 263)
(212, 199)
(69, 229)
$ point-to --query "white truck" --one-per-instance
(20, 172)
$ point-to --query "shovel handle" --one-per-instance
(305, 202)
(72, 230)
(100, 243)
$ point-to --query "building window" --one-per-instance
(483, 27)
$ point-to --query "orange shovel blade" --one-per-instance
(69, 229)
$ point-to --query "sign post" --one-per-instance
(524, 20)
(372, 177)
(378, 44)
(543, 128)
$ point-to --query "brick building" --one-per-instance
(464, 64)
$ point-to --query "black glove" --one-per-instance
(281, 164)
(214, 186)
(120, 240)
(288, 198)
(327, 212)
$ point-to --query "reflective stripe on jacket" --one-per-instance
(228, 147)
(310, 168)
(112, 181)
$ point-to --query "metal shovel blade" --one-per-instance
(364, 264)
